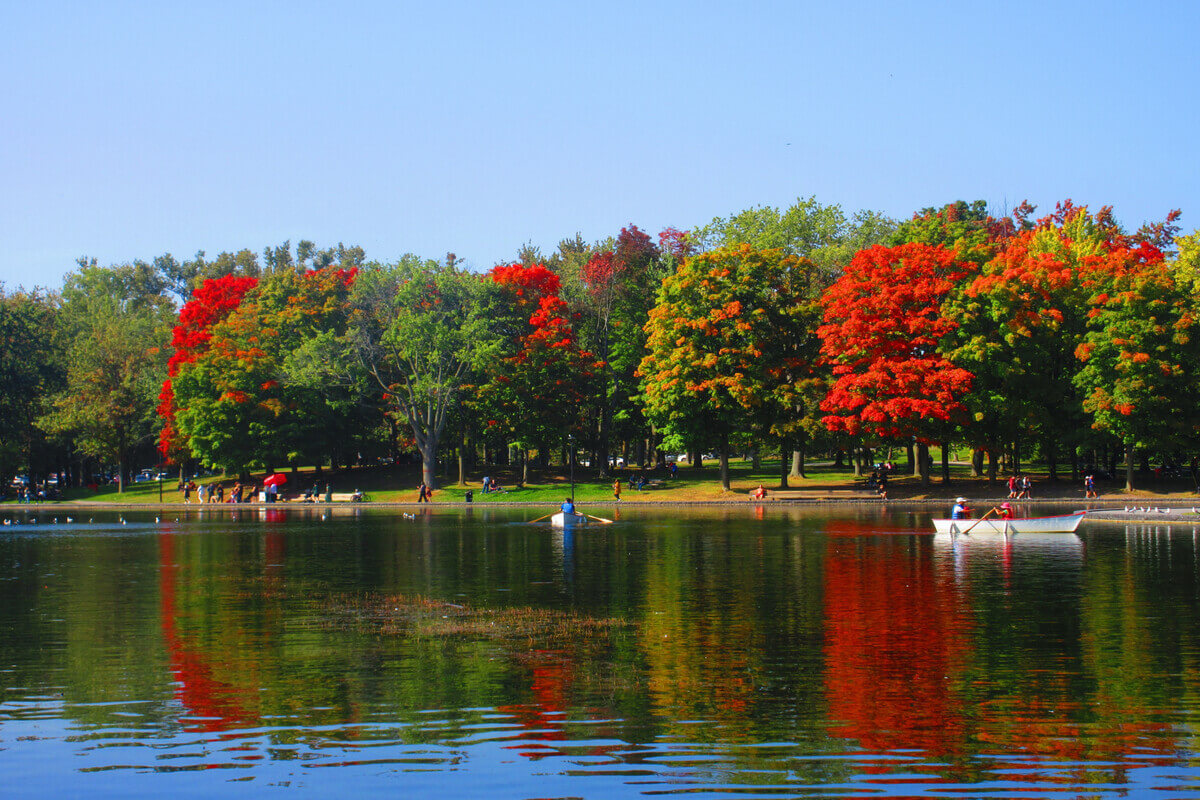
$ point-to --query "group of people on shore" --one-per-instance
(1020, 487)
(215, 492)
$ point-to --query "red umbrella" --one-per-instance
(278, 479)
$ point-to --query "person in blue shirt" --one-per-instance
(960, 510)
(568, 507)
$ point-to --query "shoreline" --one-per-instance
(1189, 501)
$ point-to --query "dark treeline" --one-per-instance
(1063, 339)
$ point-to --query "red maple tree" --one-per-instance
(211, 302)
(881, 334)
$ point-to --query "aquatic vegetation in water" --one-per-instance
(422, 616)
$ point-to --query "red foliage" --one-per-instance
(210, 303)
(883, 324)
(676, 242)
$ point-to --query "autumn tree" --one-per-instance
(235, 405)
(210, 303)
(620, 284)
(535, 389)
(881, 335)
(726, 347)
(1020, 320)
(1140, 359)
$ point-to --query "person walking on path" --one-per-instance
(1089, 486)
(423, 496)
(617, 490)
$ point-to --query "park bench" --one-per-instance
(342, 497)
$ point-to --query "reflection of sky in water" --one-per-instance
(752, 654)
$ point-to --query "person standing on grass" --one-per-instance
(617, 490)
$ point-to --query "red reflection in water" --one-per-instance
(543, 717)
(896, 633)
(222, 706)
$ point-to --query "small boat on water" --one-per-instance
(1065, 523)
(563, 519)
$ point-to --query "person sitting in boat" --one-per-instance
(960, 509)
(1005, 511)
(567, 506)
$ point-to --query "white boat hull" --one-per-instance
(561, 520)
(1066, 523)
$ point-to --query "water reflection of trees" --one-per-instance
(791, 630)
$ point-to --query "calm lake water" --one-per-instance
(726, 653)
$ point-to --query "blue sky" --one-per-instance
(132, 129)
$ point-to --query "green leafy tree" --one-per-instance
(114, 321)
(418, 328)
(31, 370)
(806, 229)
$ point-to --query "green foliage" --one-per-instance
(31, 370)
(806, 229)
(418, 330)
(114, 323)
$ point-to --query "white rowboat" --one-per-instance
(562, 520)
(1066, 523)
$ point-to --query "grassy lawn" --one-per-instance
(399, 484)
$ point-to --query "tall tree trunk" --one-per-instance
(993, 465)
(524, 466)
(783, 462)
(1129, 467)
(923, 463)
(1052, 457)
(428, 452)
(797, 463)
(462, 459)
(976, 462)
(945, 461)
(913, 467)
(697, 459)
(725, 463)
(120, 473)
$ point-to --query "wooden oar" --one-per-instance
(981, 519)
(539, 519)
(599, 519)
